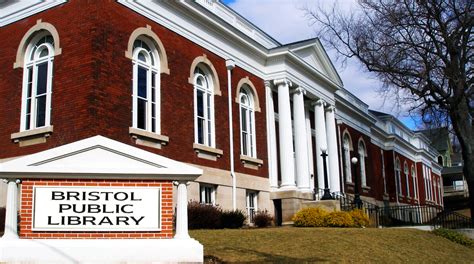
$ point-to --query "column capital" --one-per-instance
(318, 102)
(282, 81)
(176, 183)
(267, 83)
(299, 90)
(330, 108)
(17, 181)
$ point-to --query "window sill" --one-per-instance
(206, 152)
(366, 187)
(251, 163)
(146, 138)
(32, 137)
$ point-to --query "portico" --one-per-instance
(291, 179)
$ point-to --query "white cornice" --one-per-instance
(12, 11)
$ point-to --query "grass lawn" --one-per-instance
(336, 245)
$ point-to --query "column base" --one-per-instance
(287, 188)
(100, 250)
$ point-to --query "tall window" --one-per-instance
(398, 180)
(37, 83)
(208, 194)
(146, 86)
(247, 123)
(415, 182)
(406, 172)
(203, 108)
(347, 158)
(251, 204)
(362, 154)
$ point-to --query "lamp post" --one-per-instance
(327, 193)
(357, 201)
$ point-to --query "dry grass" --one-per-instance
(333, 245)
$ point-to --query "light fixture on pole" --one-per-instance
(357, 200)
(327, 193)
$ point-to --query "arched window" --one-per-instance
(406, 172)
(146, 85)
(415, 182)
(247, 123)
(398, 180)
(440, 160)
(37, 82)
(203, 107)
(362, 155)
(347, 157)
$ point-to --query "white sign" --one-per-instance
(96, 209)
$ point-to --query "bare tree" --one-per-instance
(423, 48)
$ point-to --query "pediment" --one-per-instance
(313, 53)
(98, 157)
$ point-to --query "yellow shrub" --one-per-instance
(339, 219)
(360, 218)
(310, 217)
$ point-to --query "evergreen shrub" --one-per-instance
(203, 216)
(232, 219)
(454, 236)
(310, 217)
(262, 219)
(339, 219)
(360, 218)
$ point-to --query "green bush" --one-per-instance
(203, 216)
(360, 218)
(310, 217)
(232, 219)
(339, 219)
(262, 219)
(454, 236)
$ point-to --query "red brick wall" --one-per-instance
(27, 204)
(93, 79)
(372, 163)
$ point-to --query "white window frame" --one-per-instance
(252, 204)
(398, 180)
(208, 101)
(35, 50)
(415, 182)
(362, 154)
(347, 158)
(251, 145)
(204, 190)
(407, 175)
(151, 65)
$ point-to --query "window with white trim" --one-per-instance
(407, 186)
(398, 180)
(415, 182)
(37, 82)
(146, 86)
(208, 194)
(203, 107)
(247, 123)
(347, 158)
(252, 198)
(362, 155)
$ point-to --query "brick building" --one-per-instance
(195, 82)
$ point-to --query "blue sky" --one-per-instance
(285, 21)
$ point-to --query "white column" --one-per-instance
(271, 138)
(321, 141)
(11, 214)
(309, 138)
(334, 174)
(287, 166)
(182, 211)
(301, 141)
